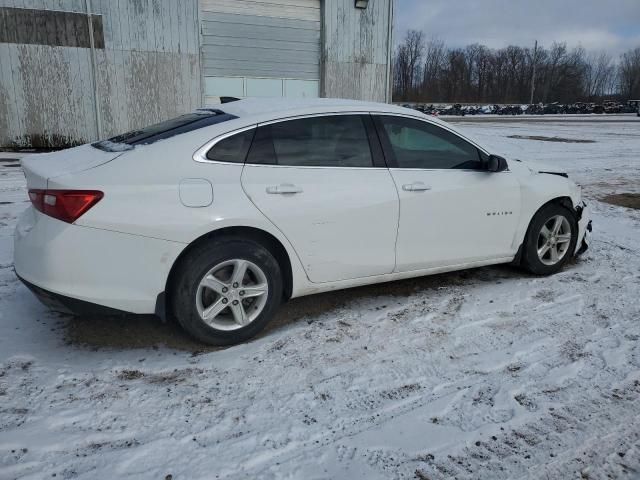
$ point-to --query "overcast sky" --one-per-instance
(597, 25)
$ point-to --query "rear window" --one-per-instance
(232, 149)
(159, 131)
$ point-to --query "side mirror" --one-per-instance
(496, 163)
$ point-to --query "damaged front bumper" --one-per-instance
(584, 228)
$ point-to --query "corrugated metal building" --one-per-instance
(55, 89)
(72, 71)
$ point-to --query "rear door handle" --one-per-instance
(415, 187)
(284, 189)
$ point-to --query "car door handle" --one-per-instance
(415, 187)
(284, 189)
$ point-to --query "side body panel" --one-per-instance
(537, 190)
(113, 269)
(464, 216)
(342, 222)
(142, 198)
(141, 226)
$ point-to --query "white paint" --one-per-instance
(339, 231)
(448, 223)
(330, 222)
(196, 192)
(132, 268)
(41, 167)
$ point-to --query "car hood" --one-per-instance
(538, 167)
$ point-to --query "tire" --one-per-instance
(199, 284)
(536, 240)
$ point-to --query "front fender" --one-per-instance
(538, 189)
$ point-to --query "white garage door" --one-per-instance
(260, 48)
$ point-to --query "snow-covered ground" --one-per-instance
(487, 373)
(550, 118)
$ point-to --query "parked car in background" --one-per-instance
(553, 108)
(218, 216)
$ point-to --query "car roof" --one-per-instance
(252, 111)
(284, 107)
(256, 110)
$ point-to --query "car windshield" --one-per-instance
(159, 131)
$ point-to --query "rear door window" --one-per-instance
(324, 141)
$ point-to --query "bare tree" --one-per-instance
(401, 73)
(629, 73)
(432, 70)
(407, 64)
(483, 70)
(557, 55)
(599, 71)
(435, 73)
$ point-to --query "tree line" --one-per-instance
(429, 71)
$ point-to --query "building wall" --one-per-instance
(55, 90)
(356, 50)
(145, 68)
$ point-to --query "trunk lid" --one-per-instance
(41, 167)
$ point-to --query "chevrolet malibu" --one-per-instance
(216, 217)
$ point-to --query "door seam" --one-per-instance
(271, 222)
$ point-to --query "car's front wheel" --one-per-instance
(226, 291)
(551, 239)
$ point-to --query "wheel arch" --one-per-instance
(564, 200)
(258, 235)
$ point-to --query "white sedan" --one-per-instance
(216, 217)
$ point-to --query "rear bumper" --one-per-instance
(77, 267)
(61, 303)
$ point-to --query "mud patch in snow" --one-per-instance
(628, 200)
(551, 139)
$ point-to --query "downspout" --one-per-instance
(323, 48)
(96, 103)
(389, 92)
(202, 85)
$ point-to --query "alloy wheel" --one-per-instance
(554, 240)
(232, 294)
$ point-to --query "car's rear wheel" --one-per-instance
(551, 240)
(226, 291)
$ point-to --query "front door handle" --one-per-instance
(415, 187)
(283, 189)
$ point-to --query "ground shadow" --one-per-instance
(147, 331)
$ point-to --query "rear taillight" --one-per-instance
(65, 205)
